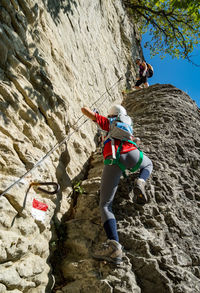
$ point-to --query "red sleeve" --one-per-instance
(103, 122)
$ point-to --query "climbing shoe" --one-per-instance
(110, 251)
(139, 192)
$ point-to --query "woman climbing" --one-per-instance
(127, 156)
(145, 71)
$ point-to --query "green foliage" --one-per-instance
(126, 91)
(174, 25)
(77, 188)
(53, 244)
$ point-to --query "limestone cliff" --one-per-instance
(161, 239)
(55, 56)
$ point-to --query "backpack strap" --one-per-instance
(122, 166)
(113, 148)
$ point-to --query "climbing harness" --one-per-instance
(64, 140)
(120, 128)
(117, 160)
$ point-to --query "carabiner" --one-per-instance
(57, 186)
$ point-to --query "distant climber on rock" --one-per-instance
(145, 71)
(120, 153)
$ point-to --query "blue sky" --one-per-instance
(177, 72)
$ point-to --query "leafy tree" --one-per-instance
(174, 25)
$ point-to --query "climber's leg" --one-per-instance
(109, 183)
(145, 168)
(130, 159)
(111, 250)
(139, 188)
(140, 81)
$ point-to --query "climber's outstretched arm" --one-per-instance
(87, 112)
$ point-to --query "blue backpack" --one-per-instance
(120, 128)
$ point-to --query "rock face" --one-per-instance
(161, 239)
(55, 56)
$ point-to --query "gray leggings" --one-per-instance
(111, 176)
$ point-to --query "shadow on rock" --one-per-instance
(55, 6)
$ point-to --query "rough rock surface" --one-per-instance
(161, 239)
(55, 56)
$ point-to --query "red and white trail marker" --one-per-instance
(39, 210)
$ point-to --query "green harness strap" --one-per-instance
(121, 166)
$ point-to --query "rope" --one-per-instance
(59, 143)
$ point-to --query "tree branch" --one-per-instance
(177, 25)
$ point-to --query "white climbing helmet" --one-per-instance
(116, 110)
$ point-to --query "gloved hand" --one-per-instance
(137, 140)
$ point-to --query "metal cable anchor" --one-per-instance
(56, 185)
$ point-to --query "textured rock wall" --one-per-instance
(161, 239)
(55, 56)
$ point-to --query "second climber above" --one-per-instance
(145, 71)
